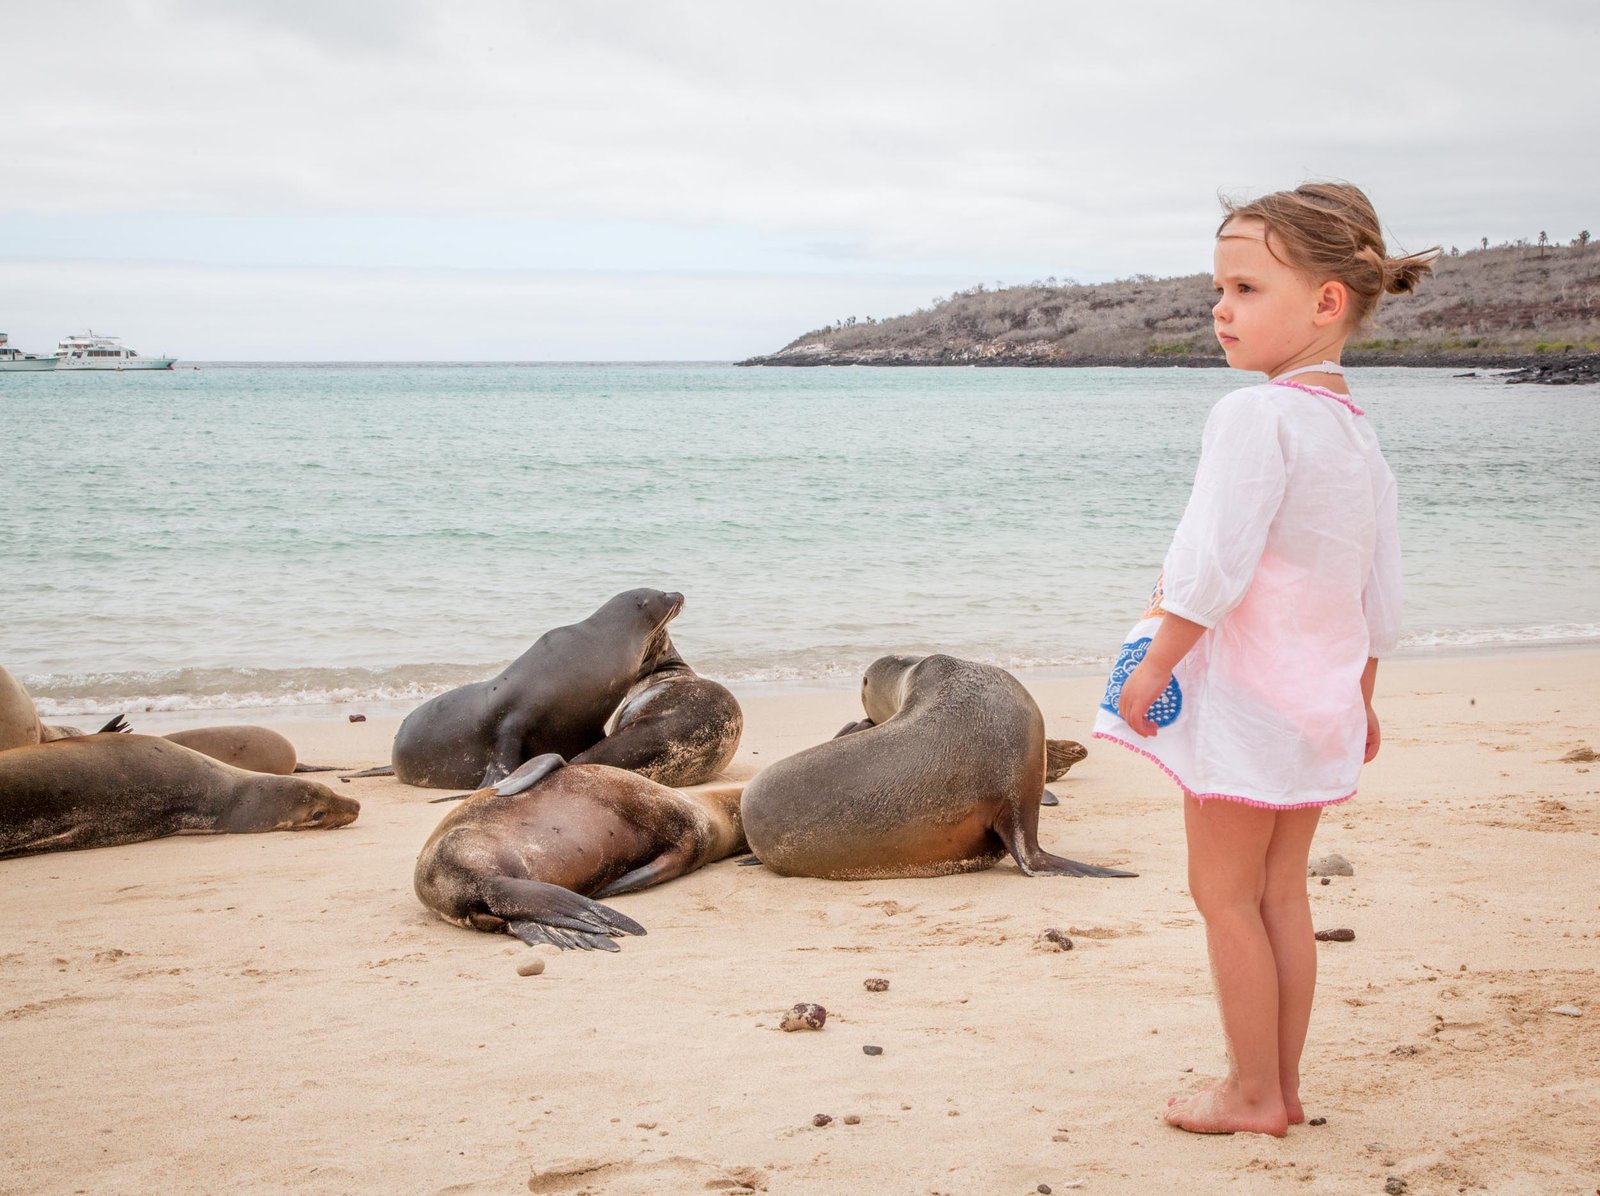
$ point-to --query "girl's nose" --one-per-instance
(1219, 309)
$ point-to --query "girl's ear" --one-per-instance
(1333, 301)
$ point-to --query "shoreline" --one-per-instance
(1584, 364)
(192, 716)
(218, 976)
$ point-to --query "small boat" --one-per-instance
(90, 351)
(15, 359)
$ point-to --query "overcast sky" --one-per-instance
(654, 179)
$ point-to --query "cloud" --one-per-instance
(1015, 139)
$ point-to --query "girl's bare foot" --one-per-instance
(1223, 1110)
(1292, 1106)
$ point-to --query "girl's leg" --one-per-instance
(1228, 845)
(1286, 913)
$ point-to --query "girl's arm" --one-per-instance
(1369, 680)
(1146, 683)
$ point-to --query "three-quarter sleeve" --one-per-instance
(1382, 598)
(1238, 488)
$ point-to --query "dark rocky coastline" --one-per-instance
(1541, 369)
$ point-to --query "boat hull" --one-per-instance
(29, 364)
(111, 363)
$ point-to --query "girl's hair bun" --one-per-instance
(1401, 274)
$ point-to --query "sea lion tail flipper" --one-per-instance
(1049, 799)
(117, 726)
(1060, 755)
(433, 801)
(316, 768)
(385, 770)
(750, 861)
(527, 775)
(1055, 865)
(850, 728)
(1019, 831)
(560, 914)
(664, 867)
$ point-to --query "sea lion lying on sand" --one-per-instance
(525, 856)
(104, 790)
(945, 775)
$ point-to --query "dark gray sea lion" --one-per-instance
(526, 856)
(674, 726)
(102, 790)
(555, 697)
(255, 749)
(947, 778)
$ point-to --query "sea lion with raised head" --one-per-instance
(555, 697)
(104, 790)
(526, 857)
(946, 778)
(674, 726)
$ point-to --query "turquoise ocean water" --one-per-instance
(246, 535)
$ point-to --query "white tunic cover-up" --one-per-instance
(1288, 553)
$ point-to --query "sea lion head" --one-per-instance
(883, 685)
(646, 613)
(273, 803)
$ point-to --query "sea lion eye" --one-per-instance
(318, 815)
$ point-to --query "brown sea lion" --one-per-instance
(674, 726)
(104, 790)
(20, 725)
(256, 749)
(525, 857)
(947, 778)
(555, 697)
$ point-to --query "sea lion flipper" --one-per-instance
(117, 726)
(670, 863)
(1060, 755)
(1049, 799)
(850, 728)
(316, 768)
(385, 770)
(750, 861)
(1019, 831)
(558, 912)
(527, 775)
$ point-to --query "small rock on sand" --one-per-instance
(877, 985)
(1053, 940)
(1318, 1121)
(1567, 1010)
(1342, 935)
(872, 1050)
(358, 718)
(530, 967)
(804, 1016)
(1394, 1185)
(821, 1119)
(1583, 755)
(852, 1119)
(1330, 865)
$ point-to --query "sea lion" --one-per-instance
(555, 697)
(255, 749)
(947, 779)
(103, 790)
(526, 856)
(20, 725)
(674, 726)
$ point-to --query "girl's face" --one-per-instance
(1268, 316)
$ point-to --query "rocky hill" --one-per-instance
(1499, 306)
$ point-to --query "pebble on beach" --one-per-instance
(821, 1119)
(1326, 881)
(1330, 865)
(530, 967)
(358, 718)
(1394, 1185)
(1567, 1010)
(1318, 1121)
(877, 985)
(1582, 755)
(1342, 935)
(872, 1050)
(1053, 940)
(804, 1016)
(852, 1119)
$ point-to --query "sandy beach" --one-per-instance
(267, 1012)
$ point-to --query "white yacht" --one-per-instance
(89, 351)
(16, 359)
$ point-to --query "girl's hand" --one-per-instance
(1374, 737)
(1139, 692)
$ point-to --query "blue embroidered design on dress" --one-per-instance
(1166, 708)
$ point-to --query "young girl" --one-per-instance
(1250, 679)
